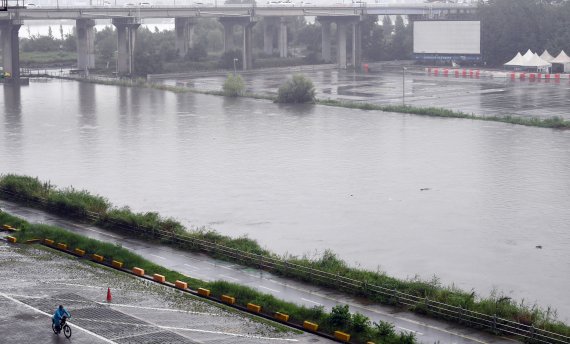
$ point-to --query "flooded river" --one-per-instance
(466, 201)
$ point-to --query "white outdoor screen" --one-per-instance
(447, 37)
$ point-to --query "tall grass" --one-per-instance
(243, 295)
(551, 122)
(147, 226)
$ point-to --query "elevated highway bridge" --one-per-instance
(128, 19)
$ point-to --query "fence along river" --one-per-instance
(301, 179)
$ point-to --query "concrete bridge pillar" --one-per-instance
(247, 46)
(268, 33)
(126, 35)
(326, 40)
(228, 33)
(341, 44)
(356, 45)
(10, 46)
(184, 28)
(247, 24)
(283, 38)
(85, 43)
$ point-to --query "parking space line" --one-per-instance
(172, 328)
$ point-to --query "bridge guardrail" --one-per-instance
(281, 266)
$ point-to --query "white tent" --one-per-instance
(516, 61)
(528, 55)
(535, 61)
(561, 62)
(546, 56)
(529, 61)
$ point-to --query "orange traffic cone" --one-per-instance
(109, 297)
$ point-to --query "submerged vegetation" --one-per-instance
(82, 205)
(234, 86)
(298, 89)
(359, 326)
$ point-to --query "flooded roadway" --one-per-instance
(383, 85)
(301, 179)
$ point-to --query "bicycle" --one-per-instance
(62, 327)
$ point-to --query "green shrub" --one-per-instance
(360, 322)
(234, 86)
(298, 89)
(384, 328)
(407, 338)
(340, 316)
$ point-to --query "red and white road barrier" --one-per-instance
(476, 73)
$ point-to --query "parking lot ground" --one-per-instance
(35, 280)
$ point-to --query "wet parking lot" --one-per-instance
(485, 95)
(36, 281)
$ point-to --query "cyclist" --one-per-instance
(60, 312)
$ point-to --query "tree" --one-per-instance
(227, 59)
(511, 26)
(298, 89)
(106, 44)
(401, 42)
(372, 39)
(311, 37)
(198, 52)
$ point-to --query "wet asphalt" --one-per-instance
(36, 280)
(206, 268)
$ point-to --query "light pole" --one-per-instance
(235, 60)
(404, 86)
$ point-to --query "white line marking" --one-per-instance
(407, 329)
(226, 267)
(192, 266)
(230, 277)
(28, 296)
(158, 256)
(188, 257)
(76, 285)
(311, 301)
(154, 308)
(102, 233)
(273, 290)
(49, 315)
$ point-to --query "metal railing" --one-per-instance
(461, 315)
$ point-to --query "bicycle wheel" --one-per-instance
(53, 328)
(67, 331)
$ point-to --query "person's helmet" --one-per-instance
(60, 307)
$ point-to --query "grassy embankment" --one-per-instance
(79, 204)
(555, 122)
(361, 329)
